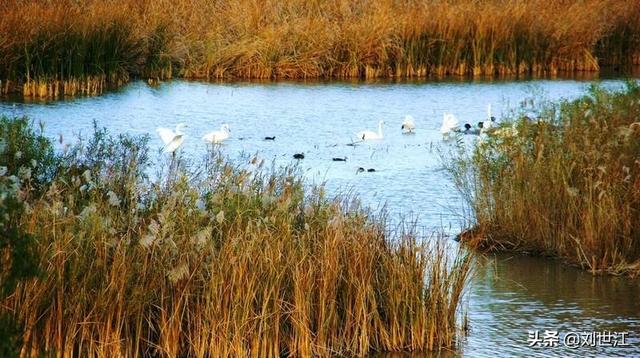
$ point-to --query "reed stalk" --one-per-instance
(231, 261)
(60, 41)
(561, 180)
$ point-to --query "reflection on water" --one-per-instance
(509, 295)
(512, 295)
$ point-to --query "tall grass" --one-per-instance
(231, 261)
(68, 47)
(566, 184)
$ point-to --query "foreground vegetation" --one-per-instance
(228, 261)
(82, 47)
(566, 184)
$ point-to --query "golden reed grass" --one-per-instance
(235, 261)
(79, 42)
(565, 185)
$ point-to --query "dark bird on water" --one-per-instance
(270, 138)
(298, 156)
(340, 159)
(361, 170)
(371, 170)
(468, 129)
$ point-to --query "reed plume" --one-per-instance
(231, 261)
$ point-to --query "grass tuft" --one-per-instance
(566, 184)
(231, 261)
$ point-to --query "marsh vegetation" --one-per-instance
(561, 179)
(83, 47)
(218, 259)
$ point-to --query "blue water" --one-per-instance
(509, 295)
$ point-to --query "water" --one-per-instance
(508, 297)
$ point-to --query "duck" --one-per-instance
(370, 135)
(270, 138)
(449, 124)
(362, 170)
(172, 139)
(298, 156)
(408, 125)
(217, 137)
(339, 159)
(468, 129)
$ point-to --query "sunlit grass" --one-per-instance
(82, 47)
(565, 184)
(229, 260)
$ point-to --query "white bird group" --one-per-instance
(173, 139)
(450, 124)
(408, 127)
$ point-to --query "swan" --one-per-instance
(488, 125)
(449, 124)
(369, 135)
(217, 137)
(408, 125)
(172, 139)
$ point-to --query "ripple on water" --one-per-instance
(508, 296)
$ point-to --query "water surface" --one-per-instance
(508, 297)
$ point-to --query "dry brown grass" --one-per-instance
(205, 39)
(230, 262)
(565, 185)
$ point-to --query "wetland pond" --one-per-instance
(509, 295)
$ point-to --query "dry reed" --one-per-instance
(566, 184)
(228, 262)
(68, 47)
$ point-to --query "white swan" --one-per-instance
(172, 139)
(489, 124)
(408, 125)
(369, 135)
(217, 137)
(449, 124)
(490, 119)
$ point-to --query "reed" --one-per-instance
(566, 184)
(231, 261)
(67, 40)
